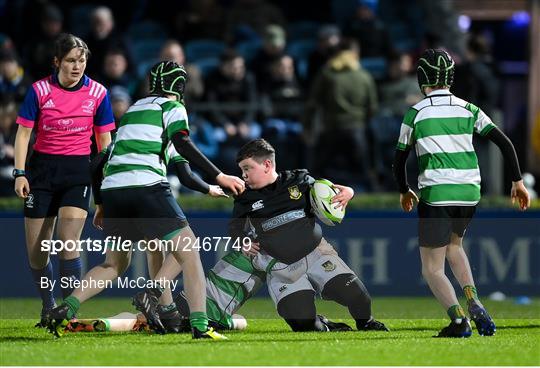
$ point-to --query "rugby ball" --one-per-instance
(321, 194)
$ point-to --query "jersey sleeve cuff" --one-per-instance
(179, 159)
(404, 189)
(402, 147)
(104, 128)
(25, 122)
(487, 129)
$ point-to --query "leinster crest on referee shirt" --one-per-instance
(294, 192)
(328, 266)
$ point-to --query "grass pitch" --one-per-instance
(268, 341)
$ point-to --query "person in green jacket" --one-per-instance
(345, 95)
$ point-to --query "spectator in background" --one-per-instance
(282, 100)
(475, 81)
(103, 37)
(273, 47)
(115, 71)
(172, 50)
(346, 96)
(40, 51)
(8, 131)
(232, 91)
(249, 18)
(200, 19)
(397, 93)
(401, 89)
(120, 102)
(6, 43)
(282, 90)
(370, 32)
(14, 81)
(328, 39)
(202, 132)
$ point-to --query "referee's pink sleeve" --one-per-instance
(105, 128)
(25, 122)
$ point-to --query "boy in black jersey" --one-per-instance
(275, 212)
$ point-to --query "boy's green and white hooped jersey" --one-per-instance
(441, 128)
(231, 282)
(142, 146)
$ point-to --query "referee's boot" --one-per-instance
(147, 302)
(59, 320)
(457, 328)
(210, 333)
(482, 320)
(44, 317)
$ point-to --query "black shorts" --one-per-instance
(56, 181)
(437, 223)
(141, 213)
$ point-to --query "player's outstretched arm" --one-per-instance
(194, 182)
(519, 192)
(186, 148)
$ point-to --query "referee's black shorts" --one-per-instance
(140, 213)
(437, 223)
(56, 181)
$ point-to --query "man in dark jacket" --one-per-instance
(346, 96)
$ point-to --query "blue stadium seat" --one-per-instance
(406, 44)
(299, 50)
(301, 66)
(201, 49)
(207, 65)
(146, 49)
(376, 66)
(302, 31)
(248, 49)
(147, 30)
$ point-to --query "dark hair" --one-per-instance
(67, 42)
(345, 44)
(7, 55)
(349, 44)
(258, 149)
(228, 55)
(116, 51)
